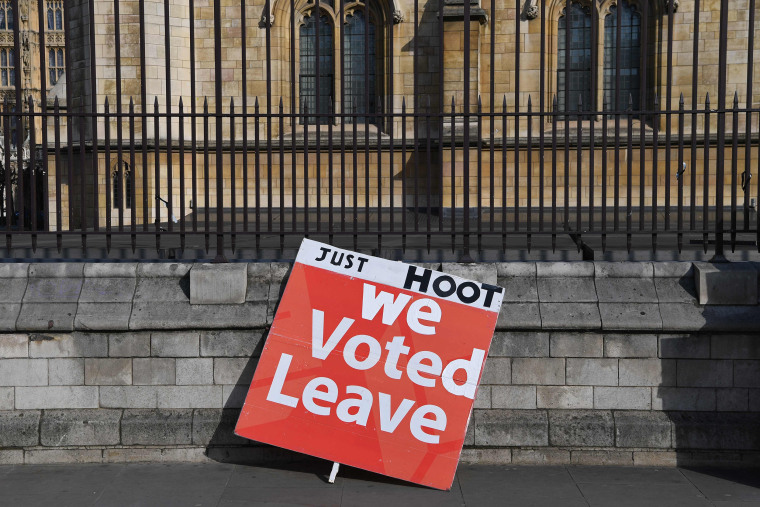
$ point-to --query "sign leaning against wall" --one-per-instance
(373, 364)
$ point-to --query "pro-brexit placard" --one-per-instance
(372, 363)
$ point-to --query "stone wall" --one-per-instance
(591, 363)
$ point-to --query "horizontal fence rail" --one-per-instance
(465, 125)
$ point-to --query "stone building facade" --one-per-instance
(407, 58)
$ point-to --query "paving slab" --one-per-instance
(634, 495)
(726, 484)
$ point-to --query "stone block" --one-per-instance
(151, 371)
(647, 372)
(189, 397)
(683, 398)
(566, 290)
(623, 398)
(47, 317)
(218, 284)
(12, 290)
(259, 281)
(166, 290)
(103, 316)
(676, 290)
(684, 346)
(682, 317)
(215, 427)
(515, 269)
(576, 345)
(129, 345)
(630, 316)
(232, 343)
(630, 345)
(724, 431)
(731, 319)
(519, 289)
(175, 344)
(754, 400)
(61, 428)
(6, 398)
(726, 283)
(601, 458)
(195, 372)
(108, 290)
(655, 458)
(128, 397)
(234, 370)
(162, 270)
(704, 373)
(642, 429)
(56, 270)
(581, 428)
(61, 456)
(564, 397)
(66, 372)
(510, 428)
(670, 269)
(486, 456)
(14, 270)
(629, 270)
(234, 395)
(732, 399)
(519, 344)
(540, 457)
(519, 316)
(19, 428)
(626, 290)
(541, 371)
(564, 269)
(11, 457)
(729, 346)
(483, 397)
(68, 345)
(498, 370)
(9, 313)
(483, 273)
(581, 316)
(591, 372)
(157, 427)
(181, 315)
(23, 372)
(747, 373)
(514, 397)
(108, 372)
(110, 270)
(14, 346)
(53, 290)
(56, 397)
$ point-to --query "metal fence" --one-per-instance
(532, 125)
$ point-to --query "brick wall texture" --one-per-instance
(591, 363)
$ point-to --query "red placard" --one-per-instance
(373, 364)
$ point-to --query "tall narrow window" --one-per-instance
(6, 15)
(308, 67)
(7, 67)
(122, 194)
(55, 65)
(630, 54)
(359, 76)
(55, 15)
(574, 65)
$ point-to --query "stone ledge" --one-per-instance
(726, 283)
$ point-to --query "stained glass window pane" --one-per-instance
(4, 73)
(58, 19)
(9, 16)
(50, 24)
(2, 19)
(308, 63)
(359, 76)
(60, 58)
(628, 62)
(574, 66)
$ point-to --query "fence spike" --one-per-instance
(530, 102)
(707, 100)
(736, 100)
(680, 101)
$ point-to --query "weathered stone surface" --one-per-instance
(14, 270)
(576, 345)
(519, 344)
(213, 427)
(232, 343)
(110, 270)
(623, 398)
(498, 370)
(8, 316)
(682, 317)
(592, 372)
(66, 372)
(729, 346)
(128, 397)
(704, 373)
(511, 428)
(14, 346)
(515, 269)
(626, 290)
(175, 344)
(483, 397)
(732, 399)
(519, 316)
(259, 280)
(655, 458)
(566, 290)
(642, 429)
(56, 397)
(683, 398)
(60, 456)
(676, 290)
(189, 396)
(129, 345)
(582, 316)
(540, 457)
(103, 316)
(152, 371)
(630, 316)
(234, 395)
(564, 269)
(747, 373)
(161, 269)
(684, 346)
(628, 270)
(56, 270)
(53, 290)
(671, 269)
(11, 457)
(234, 370)
(647, 372)
(706, 430)
(6, 398)
(80, 427)
(602, 458)
(581, 428)
(195, 371)
(157, 427)
(108, 290)
(12, 290)
(181, 315)
(541, 371)
(216, 284)
(47, 317)
(564, 397)
(486, 456)
(483, 273)
(519, 289)
(726, 283)
(754, 400)
(630, 345)
(731, 319)
(162, 290)
(108, 372)
(68, 345)
(23, 372)
(19, 428)
(514, 397)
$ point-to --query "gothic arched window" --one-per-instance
(6, 15)
(308, 64)
(55, 64)
(574, 65)
(7, 67)
(54, 15)
(630, 56)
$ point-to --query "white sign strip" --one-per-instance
(401, 276)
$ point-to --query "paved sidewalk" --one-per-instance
(306, 485)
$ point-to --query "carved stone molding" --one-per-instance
(398, 16)
(667, 6)
(530, 10)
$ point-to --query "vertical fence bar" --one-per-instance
(747, 176)
(706, 170)
(655, 177)
(492, 99)
(119, 121)
(629, 176)
(529, 165)
(579, 167)
(193, 121)
(206, 177)
(44, 113)
(441, 103)
(94, 124)
(168, 111)
(32, 175)
(694, 108)
(257, 171)
(144, 113)
(466, 144)
(317, 118)
(132, 175)
(428, 171)
(182, 225)
(282, 172)
(566, 118)
(415, 118)
(479, 162)
(604, 175)
(554, 173)
(680, 172)
(10, 205)
(343, 117)
(58, 175)
(504, 173)
(518, 20)
(109, 204)
(721, 155)
(244, 106)
(268, 67)
(157, 171)
(734, 167)
(233, 184)
(219, 132)
(19, 119)
(542, 117)
(668, 114)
